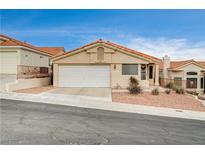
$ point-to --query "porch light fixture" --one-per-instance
(114, 66)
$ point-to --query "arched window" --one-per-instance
(100, 53)
(191, 73)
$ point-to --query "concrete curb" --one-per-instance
(105, 105)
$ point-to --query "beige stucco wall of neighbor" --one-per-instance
(173, 74)
(10, 57)
(27, 83)
(184, 76)
(111, 57)
(29, 58)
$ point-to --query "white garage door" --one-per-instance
(8, 62)
(84, 76)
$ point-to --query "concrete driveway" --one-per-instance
(100, 93)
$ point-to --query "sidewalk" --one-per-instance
(88, 102)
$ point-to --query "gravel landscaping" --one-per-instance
(173, 100)
(36, 90)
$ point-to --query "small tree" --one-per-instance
(134, 87)
(179, 90)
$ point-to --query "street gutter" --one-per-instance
(104, 105)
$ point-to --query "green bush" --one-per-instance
(155, 91)
(134, 87)
(168, 91)
(170, 85)
(179, 90)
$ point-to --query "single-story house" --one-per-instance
(104, 64)
(187, 74)
(23, 65)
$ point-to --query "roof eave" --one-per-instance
(107, 45)
(22, 47)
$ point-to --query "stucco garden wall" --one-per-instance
(27, 83)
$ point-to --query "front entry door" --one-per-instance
(151, 75)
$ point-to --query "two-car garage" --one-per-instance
(84, 76)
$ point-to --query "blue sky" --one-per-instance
(177, 33)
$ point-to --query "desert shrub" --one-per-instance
(155, 91)
(193, 93)
(134, 87)
(170, 85)
(168, 91)
(179, 90)
(201, 97)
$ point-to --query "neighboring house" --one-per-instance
(23, 65)
(104, 64)
(188, 74)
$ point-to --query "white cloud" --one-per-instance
(177, 49)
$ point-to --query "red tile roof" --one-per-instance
(116, 46)
(53, 50)
(133, 51)
(176, 64)
(13, 42)
(202, 63)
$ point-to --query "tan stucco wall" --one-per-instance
(27, 83)
(90, 57)
(55, 75)
(173, 74)
(80, 58)
(93, 55)
(110, 57)
(117, 79)
(119, 57)
(156, 74)
(29, 58)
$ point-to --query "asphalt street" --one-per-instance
(36, 123)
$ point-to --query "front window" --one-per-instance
(191, 73)
(43, 70)
(129, 69)
(191, 83)
(202, 83)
